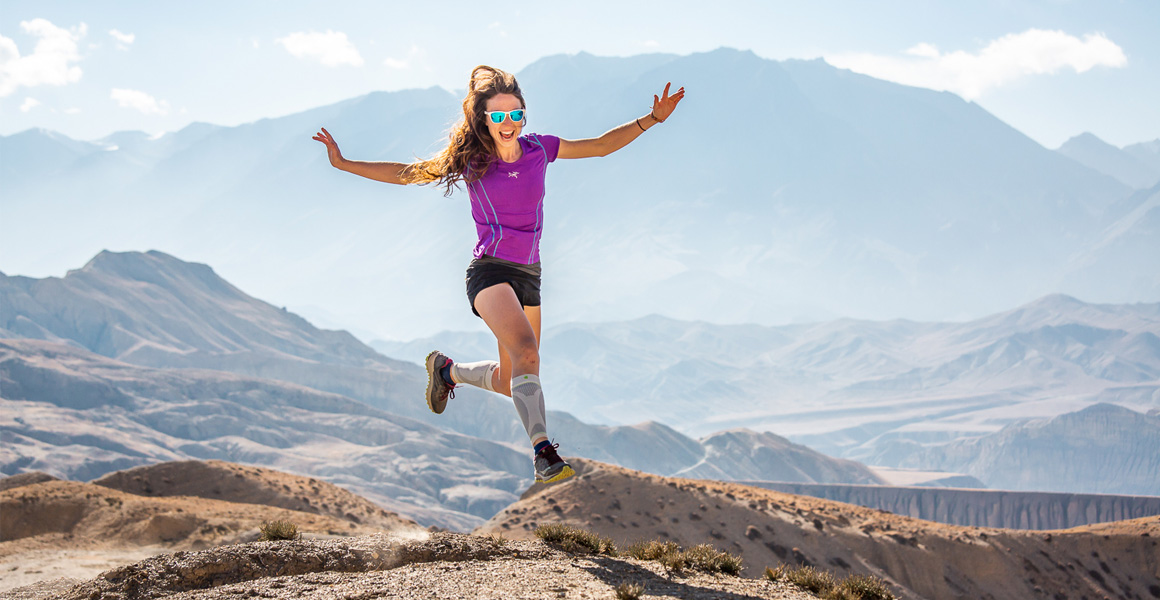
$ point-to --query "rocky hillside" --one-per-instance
(73, 529)
(920, 558)
(77, 415)
(154, 310)
(220, 480)
(745, 454)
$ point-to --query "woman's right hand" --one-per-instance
(332, 151)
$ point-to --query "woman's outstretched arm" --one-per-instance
(389, 172)
(615, 139)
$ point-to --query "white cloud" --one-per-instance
(124, 40)
(72, 111)
(332, 48)
(414, 53)
(140, 101)
(1016, 55)
(50, 62)
(29, 104)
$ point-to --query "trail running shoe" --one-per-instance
(550, 467)
(438, 391)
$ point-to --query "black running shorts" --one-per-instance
(487, 271)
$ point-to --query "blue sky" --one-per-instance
(1052, 68)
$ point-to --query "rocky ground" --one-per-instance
(920, 559)
(51, 528)
(445, 565)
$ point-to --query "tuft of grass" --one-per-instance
(865, 587)
(496, 539)
(702, 557)
(653, 550)
(629, 591)
(822, 583)
(278, 530)
(574, 539)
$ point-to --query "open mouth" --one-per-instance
(507, 135)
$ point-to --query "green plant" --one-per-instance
(573, 539)
(278, 530)
(629, 591)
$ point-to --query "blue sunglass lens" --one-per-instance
(497, 117)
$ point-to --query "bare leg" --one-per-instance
(502, 380)
(519, 347)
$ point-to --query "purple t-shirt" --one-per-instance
(507, 203)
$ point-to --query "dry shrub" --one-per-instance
(273, 531)
(573, 539)
(865, 587)
(822, 583)
(702, 557)
(495, 539)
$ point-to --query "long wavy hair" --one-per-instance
(471, 149)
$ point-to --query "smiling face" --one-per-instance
(506, 135)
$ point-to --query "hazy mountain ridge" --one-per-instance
(1134, 165)
(1103, 449)
(839, 187)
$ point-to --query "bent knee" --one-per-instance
(526, 354)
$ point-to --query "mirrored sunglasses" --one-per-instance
(497, 116)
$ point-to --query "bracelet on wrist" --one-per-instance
(639, 125)
(654, 118)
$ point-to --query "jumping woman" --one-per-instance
(504, 174)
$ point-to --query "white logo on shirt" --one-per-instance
(514, 174)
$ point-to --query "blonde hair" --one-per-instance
(471, 149)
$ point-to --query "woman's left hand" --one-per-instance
(664, 105)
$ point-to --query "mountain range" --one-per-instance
(893, 393)
(896, 394)
(781, 190)
(141, 357)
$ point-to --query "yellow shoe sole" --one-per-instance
(565, 473)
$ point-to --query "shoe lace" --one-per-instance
(548, 451)
(450, 386)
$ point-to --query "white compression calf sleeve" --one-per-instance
(529, 400)
(478, 374)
